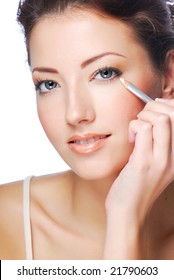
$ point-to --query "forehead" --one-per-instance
(77, 35)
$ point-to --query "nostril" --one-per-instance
(75, 116)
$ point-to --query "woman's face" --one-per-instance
(77, 60)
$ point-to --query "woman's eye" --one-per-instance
(107, 74)
(46, 86)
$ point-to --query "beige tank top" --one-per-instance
(26, 218)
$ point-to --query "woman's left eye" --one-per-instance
(107, 74)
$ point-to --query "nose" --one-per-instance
(79, 108)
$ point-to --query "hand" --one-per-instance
(149, 171)
(150, 168)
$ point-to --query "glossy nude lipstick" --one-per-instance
(137, 92)
(87, 143)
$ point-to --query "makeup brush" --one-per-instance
(137, 92)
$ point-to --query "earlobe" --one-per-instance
(168, 81)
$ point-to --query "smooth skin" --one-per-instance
(117, 202)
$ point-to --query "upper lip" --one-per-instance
(86, 136)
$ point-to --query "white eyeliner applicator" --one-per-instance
(137, 92)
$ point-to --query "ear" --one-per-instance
(168, 77)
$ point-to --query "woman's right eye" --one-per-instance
(46, 86)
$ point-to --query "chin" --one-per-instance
(99, 172)
(98, 166)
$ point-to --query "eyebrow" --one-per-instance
(91, 60)
(45, 70)
(83, 65)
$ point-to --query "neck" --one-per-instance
(99, 188)
(89, 199)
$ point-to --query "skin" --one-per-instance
(85, 213)
(83, 100)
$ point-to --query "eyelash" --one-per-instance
(107, 69)
(100, 71)
(38, 84)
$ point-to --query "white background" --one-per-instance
(24, 147)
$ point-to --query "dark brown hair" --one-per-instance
(151, 20)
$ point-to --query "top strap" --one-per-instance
(26, 218)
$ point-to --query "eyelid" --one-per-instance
(38, 82)
(105, 68)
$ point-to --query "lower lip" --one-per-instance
(83, 149)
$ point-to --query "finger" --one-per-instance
(143, 139)
(161, 106)
(169, 102)
(165, 106)
(162, 133)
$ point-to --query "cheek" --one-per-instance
(43, 117)
(50, 117)
(150, 84)
(119, 107)
(153, 89)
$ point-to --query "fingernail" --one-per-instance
(161, 99)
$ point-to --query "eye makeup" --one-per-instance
(102, 75)
(137, 92)
(48, 84)
(45, 87)
(106, 73)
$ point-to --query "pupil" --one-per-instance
(49, 84)
(106, 74)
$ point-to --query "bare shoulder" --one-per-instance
(46, 193)
(11, 220)
(42, 187)
(10, 198)
(51, 194)
(47, 186)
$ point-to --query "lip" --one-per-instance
(87, 143)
